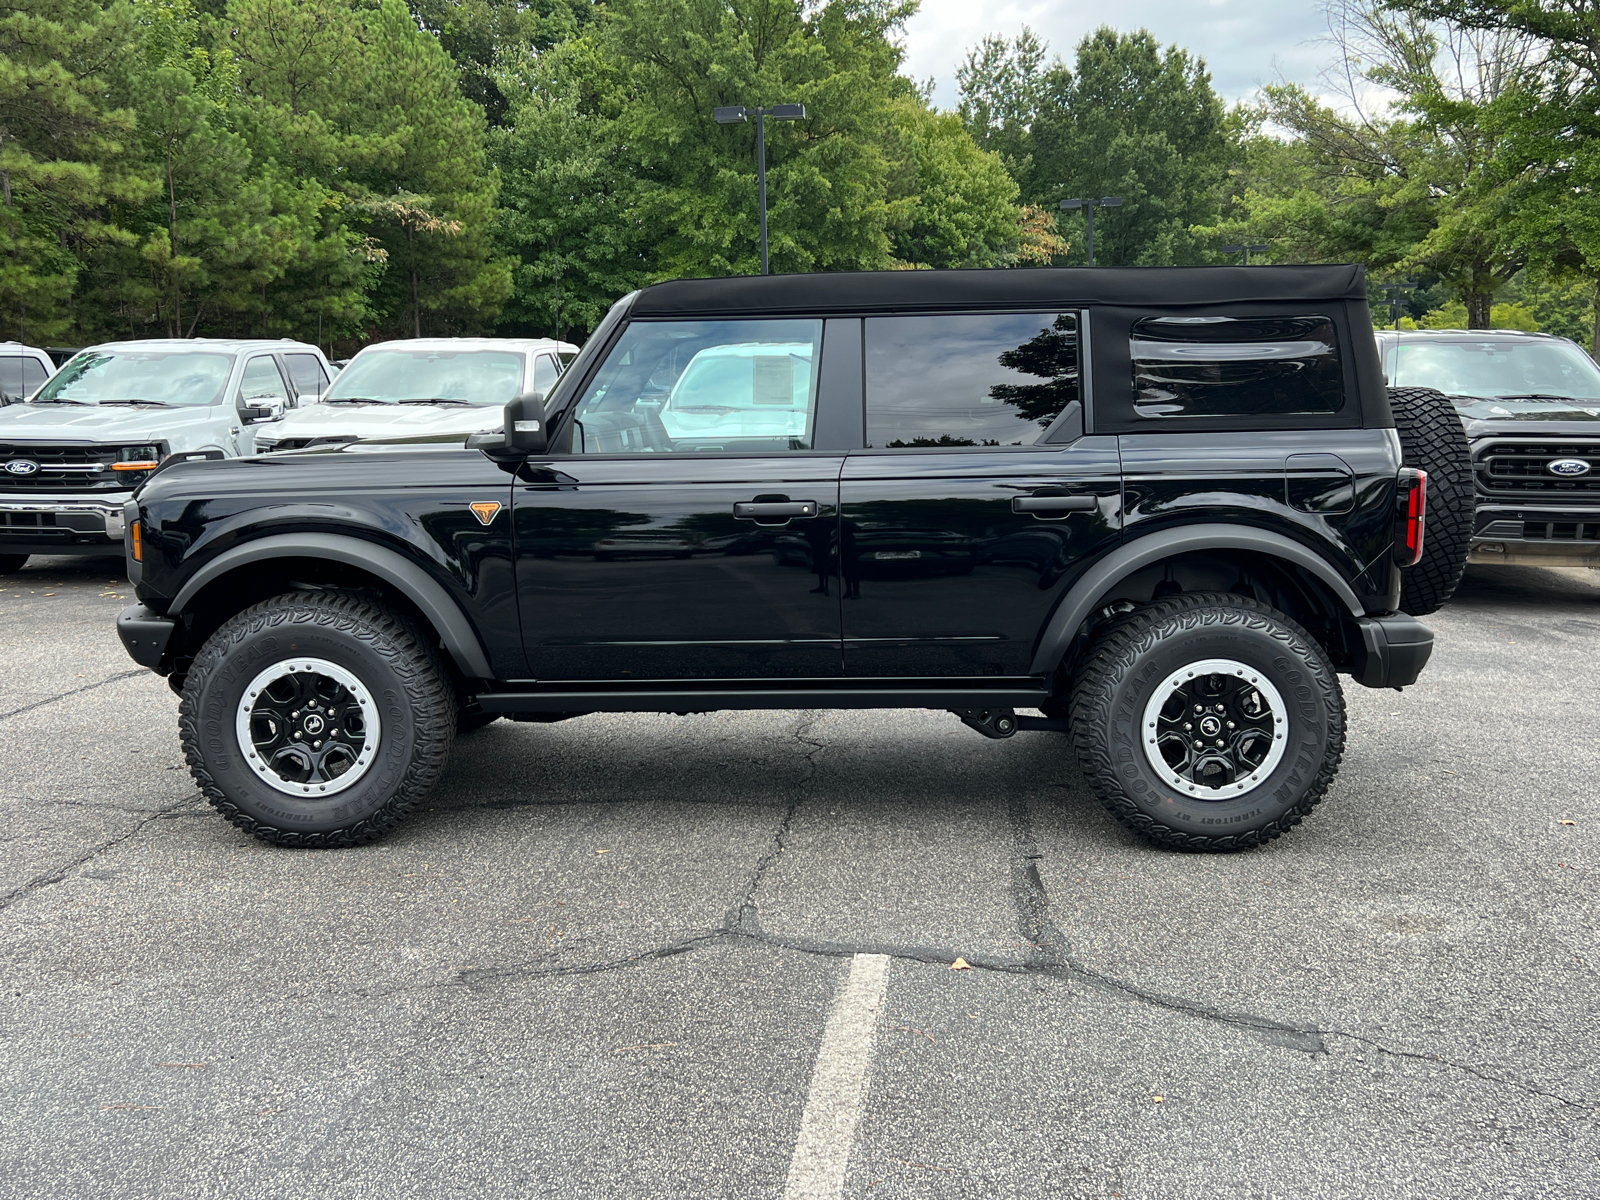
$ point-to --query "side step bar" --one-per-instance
(1029, 694)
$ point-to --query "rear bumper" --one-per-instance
(144, 634)
(1394, 649)
(61, 524)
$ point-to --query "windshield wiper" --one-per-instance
(355, 400)
(60, 400)
(152, 403)
(438, 400)
(1536, 396)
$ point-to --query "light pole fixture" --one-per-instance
(1088, 207)
(1258, 248)
(736, 114)
(1396, 294)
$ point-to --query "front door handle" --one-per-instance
(772, 510)
(1046, 506)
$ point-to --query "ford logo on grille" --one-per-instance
(1568, 466)
(26, 466)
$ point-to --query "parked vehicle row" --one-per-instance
(114, 415)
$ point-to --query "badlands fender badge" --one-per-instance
(485, 510)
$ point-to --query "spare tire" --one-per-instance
(1433, 439)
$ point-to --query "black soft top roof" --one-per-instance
(879, 291)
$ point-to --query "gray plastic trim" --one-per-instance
(443, 613)
(1078, 603)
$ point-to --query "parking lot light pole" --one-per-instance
(1258, 248)
(1088, 207)
(735, 114)
(1397, 294)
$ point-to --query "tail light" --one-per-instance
(1411, 514)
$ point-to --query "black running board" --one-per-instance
(680, 700)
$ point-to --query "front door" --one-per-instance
(977, 498)
(685, 527)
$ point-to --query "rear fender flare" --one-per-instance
(1079, 602)
(405, 576)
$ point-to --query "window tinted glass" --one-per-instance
(262, 381)
(676, 386)
(11, 374)
(179, 378)
(544, 373)
(306, 372)
(992, 379)
(1500, 370)
(1233, 367)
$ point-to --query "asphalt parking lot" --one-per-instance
(637, 956)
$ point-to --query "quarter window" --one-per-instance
(544, 373)
(703, 386)
(307, 373)
(1235, 366)
(990, 379)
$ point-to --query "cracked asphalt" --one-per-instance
(600, 962)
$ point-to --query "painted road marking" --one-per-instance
(839, 1083)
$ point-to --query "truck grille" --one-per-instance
(75, 469)
(1543, 531)
(1522, 468)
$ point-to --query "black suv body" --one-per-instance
(973, 491)
(1530, 403)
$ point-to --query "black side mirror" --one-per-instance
(525, 424)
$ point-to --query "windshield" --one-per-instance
(391, 376)
(1499, 369)
(163, 377)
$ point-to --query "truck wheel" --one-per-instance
(1208, 722)
(316, 719)
(1433, 439)
(10, 564)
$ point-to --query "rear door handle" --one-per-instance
(767, 510)
(1041, 506)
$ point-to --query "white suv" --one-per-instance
(72, 455)
(422, 386)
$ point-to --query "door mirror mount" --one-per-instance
(262, 410)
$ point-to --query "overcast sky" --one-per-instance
(1246, 43)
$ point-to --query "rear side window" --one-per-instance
(19, 375)
(1235, 366)
(306, 372)
(979, 379)
(545, 373)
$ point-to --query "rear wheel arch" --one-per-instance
(257, 570)
(1271, 567)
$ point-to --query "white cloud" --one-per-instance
(1246, 43)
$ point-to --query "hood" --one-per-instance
(1535, 418)
(381, 420)
(95, 425)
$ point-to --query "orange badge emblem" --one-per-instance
(485, 510)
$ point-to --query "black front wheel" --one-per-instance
(316, 719)
(1208, 722)
(10, 564)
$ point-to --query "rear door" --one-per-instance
(977, 496)
(685, 526)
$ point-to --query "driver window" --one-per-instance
(262, 381)
(703, 386)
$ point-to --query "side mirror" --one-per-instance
(525, 424)
(301, 399)
(262, 411)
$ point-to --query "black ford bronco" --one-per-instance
(1161, 507)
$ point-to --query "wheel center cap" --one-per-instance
(1210, 726)
(313, 724)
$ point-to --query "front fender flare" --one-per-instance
(1079, 602)
(404, 575)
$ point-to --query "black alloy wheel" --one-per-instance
(1208, 722)
(317, 719)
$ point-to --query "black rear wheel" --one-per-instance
(316, 719)
(1433, 439)
(1208, 722)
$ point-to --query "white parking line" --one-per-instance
(839, 1083)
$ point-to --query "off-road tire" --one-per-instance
(393, 662)
(1128, 663)
(1432, 439)
(10, 564)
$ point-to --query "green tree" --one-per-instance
(1131, 120)
(962, 209)
(1002, 85)
(486, 38)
